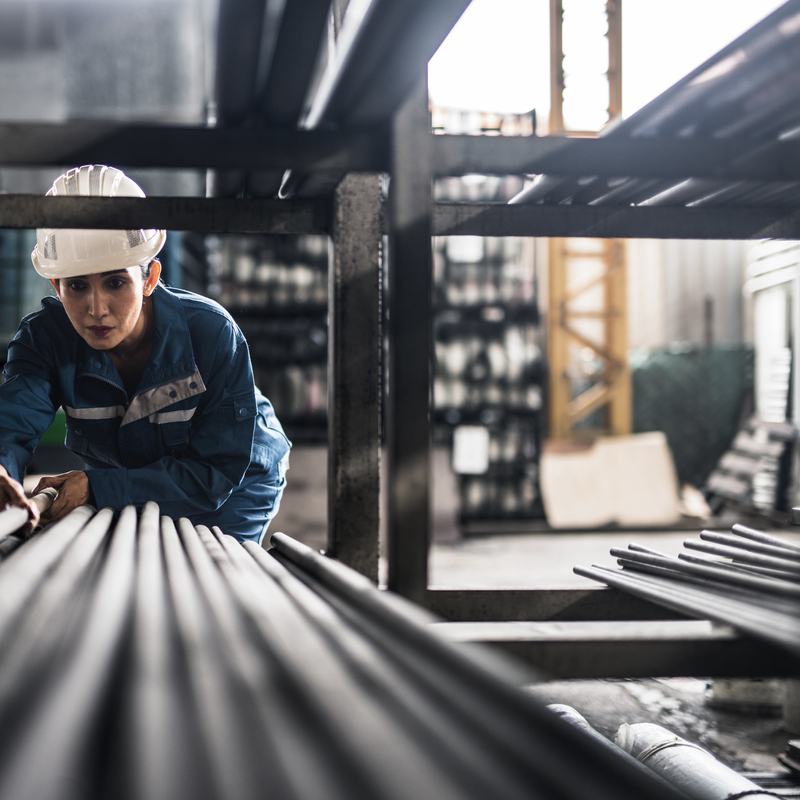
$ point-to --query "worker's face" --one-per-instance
(106, 308)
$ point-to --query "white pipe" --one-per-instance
(686, 766)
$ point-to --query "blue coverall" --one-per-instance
(197, 436)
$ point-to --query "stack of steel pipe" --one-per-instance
(747, 93)
(753, 584)
(146, 658)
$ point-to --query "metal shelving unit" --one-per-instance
(276, 288)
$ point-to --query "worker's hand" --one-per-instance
(12, 494)
(73, 490)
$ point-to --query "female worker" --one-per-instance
(156, 384)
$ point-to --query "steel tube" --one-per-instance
(21, 576)
(12, 519)
(160, 735)
(213, 688)
(710, 572)
(685, 765)
(374, 747)
(40, 616)
(753, 546)
(44, 762)
(255, 669)
(526, 730)
(701, 604)
(404, 699)
(743, 556)
(740, 568)
(764, 538)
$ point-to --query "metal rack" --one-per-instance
(372, 92)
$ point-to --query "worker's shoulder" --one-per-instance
(200, 310)
(51, 315)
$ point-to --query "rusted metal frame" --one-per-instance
(616, 156)
(519, 605)
(620, 222)
(210, 215)
(354, 385)
(575, 650)
(408, 426)
(192, 146)
(366, 149)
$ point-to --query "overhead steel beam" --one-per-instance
(311, 215)
(211, 215)
(281, 98)
(382, 49)
(366, 149)
(240, 30)
(621, 222)
(285, 74)
(721, 159)
(188, 147)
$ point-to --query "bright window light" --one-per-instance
(497, 58)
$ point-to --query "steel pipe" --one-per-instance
(148, 660)
(744, 556)
(702, 604)
(764, 538)
(785, 553)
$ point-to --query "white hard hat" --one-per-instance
(67, 252)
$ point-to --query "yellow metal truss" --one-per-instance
(587, 339)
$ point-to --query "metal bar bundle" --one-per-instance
(745, 95)
(755, 590)
(143, 658)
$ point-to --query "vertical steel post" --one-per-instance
(354, 386)
(409, 325)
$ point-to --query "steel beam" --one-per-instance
(519, 605)
(210, 215)
(573, 650)
(187, 147)
(668, 158)
(621, 222)
(381, 50)
(408, 426)
(354, 375)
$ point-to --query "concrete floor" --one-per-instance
(748, 740)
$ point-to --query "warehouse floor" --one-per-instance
(748, 737)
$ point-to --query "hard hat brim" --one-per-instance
(55, 269)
